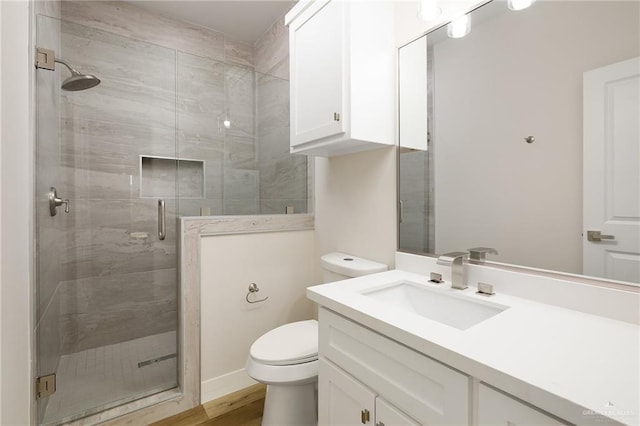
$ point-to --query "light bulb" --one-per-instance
(429, 10)
(519, 4)
(227, 123)
(459, 27)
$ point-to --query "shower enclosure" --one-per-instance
(166, 133)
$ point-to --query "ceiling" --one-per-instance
(246, 20)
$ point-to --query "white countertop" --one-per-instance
(574, 365)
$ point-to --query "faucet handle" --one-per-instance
(478, 254)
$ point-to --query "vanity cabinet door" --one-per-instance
(388, 415)
(317, 72)
(342, 400)
(496, 408)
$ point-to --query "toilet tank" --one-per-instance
(340, 266)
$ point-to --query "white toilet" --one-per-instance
(286, 358)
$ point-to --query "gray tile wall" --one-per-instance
(116, 273)
(283, 176)
(166, 88)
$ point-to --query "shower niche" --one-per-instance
(159, 175)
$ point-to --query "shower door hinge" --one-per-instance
(45, 59)
(45, 385)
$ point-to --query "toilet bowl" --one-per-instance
(286, 358)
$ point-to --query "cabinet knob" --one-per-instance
(336, 116)
(364, 416)
(379, 424)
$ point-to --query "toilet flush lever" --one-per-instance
(253, 288)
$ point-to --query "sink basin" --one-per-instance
(449, 309)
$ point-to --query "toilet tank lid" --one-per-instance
(351, 266)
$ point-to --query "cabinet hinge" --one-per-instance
(336, 116)
(45, 385)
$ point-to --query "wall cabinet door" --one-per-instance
(388, 415)
(342, 70)
(496, 408)
(317, 72)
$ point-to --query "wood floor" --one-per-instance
(239, 408)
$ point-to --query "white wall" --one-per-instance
(355, 205)
(282, 265)
(15, 214)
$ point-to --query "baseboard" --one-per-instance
(223, 385)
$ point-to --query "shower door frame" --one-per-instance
(147, 409)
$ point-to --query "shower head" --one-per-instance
(78, 81)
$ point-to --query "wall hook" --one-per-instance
(253, 288)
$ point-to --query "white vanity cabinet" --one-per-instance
(496, 408)
(363, 370)
(342, 60)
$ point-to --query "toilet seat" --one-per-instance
(286, 355)
(282, 374)
(289, 344)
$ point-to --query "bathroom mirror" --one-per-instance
(532, 123)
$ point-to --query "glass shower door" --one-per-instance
(106, 272)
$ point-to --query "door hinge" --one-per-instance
(45, 385)
(45, 59)
(336, 116)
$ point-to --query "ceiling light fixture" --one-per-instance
(459, 27)
(429, 10)
(519, 4)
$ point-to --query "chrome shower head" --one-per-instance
(78, 81)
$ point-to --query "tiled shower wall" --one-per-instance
(166, 88)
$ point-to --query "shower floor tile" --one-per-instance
(99, 378)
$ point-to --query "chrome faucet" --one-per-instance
(458, 270)
(478, 255)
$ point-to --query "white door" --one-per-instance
(317, 74)
(342, 400)
(611, 177)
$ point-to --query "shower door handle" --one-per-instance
(55, 202)
(162, 223)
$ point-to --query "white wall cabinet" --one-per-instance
(412, 95)
(342, 71)
(401, 385)
(496, 408)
